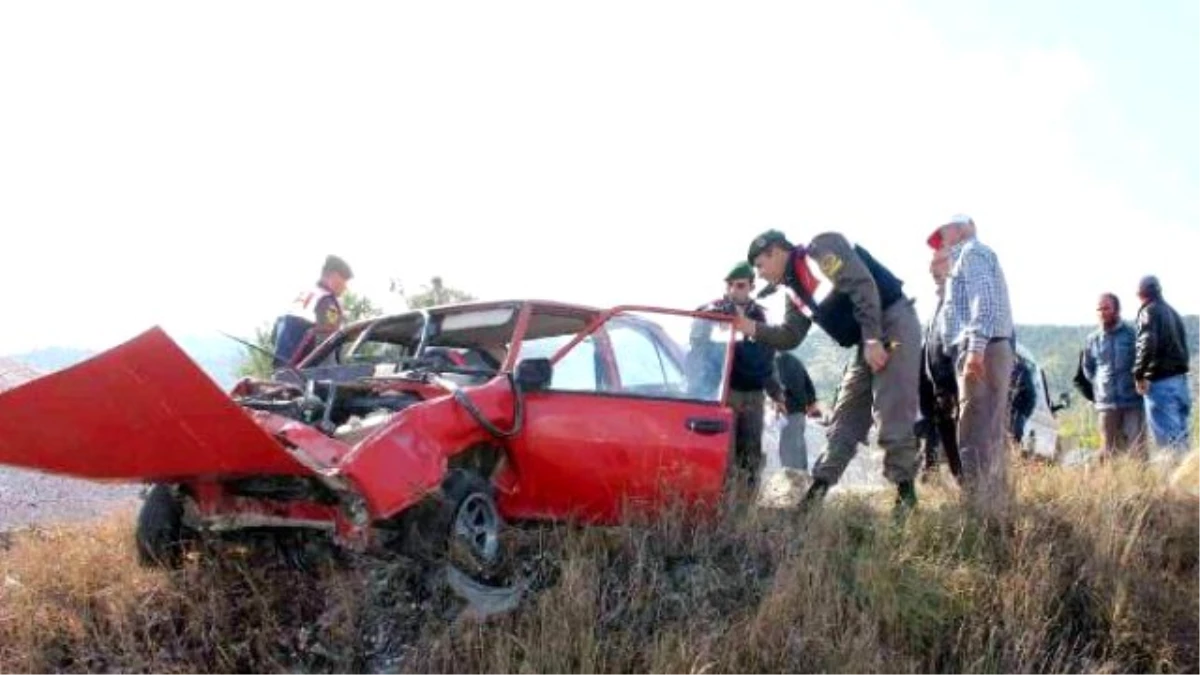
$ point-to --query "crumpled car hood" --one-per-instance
(142, 411)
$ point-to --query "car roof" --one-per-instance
(589, 313)
(451, 308)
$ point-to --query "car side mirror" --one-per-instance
(534, 374)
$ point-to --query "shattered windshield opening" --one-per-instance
(390, 340)
(473, 339)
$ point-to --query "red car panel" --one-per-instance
(142, 411)
(601, 455)
(406, 458)
(599, 458)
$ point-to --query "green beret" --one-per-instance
(336, 264)
(742, 270)
(762, 241)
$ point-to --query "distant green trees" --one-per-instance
(431, 295)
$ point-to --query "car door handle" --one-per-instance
(707, 426)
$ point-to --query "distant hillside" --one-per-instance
(50, 359)
(217, 356)
(1056, 348)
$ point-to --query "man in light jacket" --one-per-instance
(1108, 357)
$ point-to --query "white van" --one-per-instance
(1041, 429)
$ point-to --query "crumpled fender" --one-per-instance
(145, 412)
(142, 411)
(407, 458)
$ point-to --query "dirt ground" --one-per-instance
(29, 498)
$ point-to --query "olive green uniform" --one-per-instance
(889, 398)
(753, 371)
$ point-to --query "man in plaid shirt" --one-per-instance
(977, 330)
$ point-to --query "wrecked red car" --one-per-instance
(469, 415)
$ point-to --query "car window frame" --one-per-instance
(598, 327)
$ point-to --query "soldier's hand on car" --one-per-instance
(1142, 385)
(876, 355)
(743, 324)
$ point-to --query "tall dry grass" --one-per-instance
(1096, 570)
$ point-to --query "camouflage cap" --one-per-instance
(336, 264)
(742, 270)
(762, 241)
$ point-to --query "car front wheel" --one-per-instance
(474, 538)
(161, 534)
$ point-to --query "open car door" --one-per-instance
(633, 419)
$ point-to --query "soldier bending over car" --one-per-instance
(864, 308)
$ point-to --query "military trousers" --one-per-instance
(890, 399)
(749, 409)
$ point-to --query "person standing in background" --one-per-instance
(1108, 357)
(799, 403)
(1161, 368)
(977, 330)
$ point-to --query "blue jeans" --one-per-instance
(1168, 409)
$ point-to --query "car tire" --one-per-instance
(160, 533)
(475, 537)
(461, 526)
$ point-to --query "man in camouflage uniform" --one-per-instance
(313, 316)
(863, 307)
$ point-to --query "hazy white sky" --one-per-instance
(192, 164)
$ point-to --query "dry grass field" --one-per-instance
(1095, 570)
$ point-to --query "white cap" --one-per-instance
(935, 238)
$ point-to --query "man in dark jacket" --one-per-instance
(753, 370)
(938, 426)
(1160, 367)
(1022, 389)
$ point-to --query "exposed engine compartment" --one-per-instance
(336, 408)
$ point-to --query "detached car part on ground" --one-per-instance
(427, 430)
